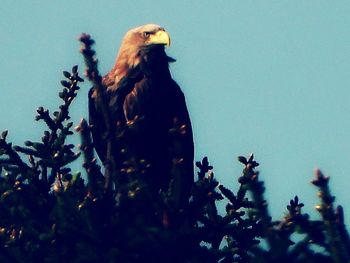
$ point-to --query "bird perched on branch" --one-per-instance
(140, 86)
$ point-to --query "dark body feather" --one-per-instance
(149, 92)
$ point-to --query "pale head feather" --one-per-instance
(127, 57)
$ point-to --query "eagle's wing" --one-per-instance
(114, 103)
(183, 147)
(162, 104)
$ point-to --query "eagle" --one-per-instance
(140, 87)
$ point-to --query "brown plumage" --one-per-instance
(140, 84)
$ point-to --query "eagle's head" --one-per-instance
(134, 41)
(145, 35)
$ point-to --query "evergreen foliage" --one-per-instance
(48, 214)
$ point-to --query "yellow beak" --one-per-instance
(161, 37)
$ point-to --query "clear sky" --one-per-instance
(268, 77)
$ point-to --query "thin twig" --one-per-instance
(101, 100)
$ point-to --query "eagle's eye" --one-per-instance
(146, 34)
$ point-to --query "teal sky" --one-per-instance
(268, 77)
